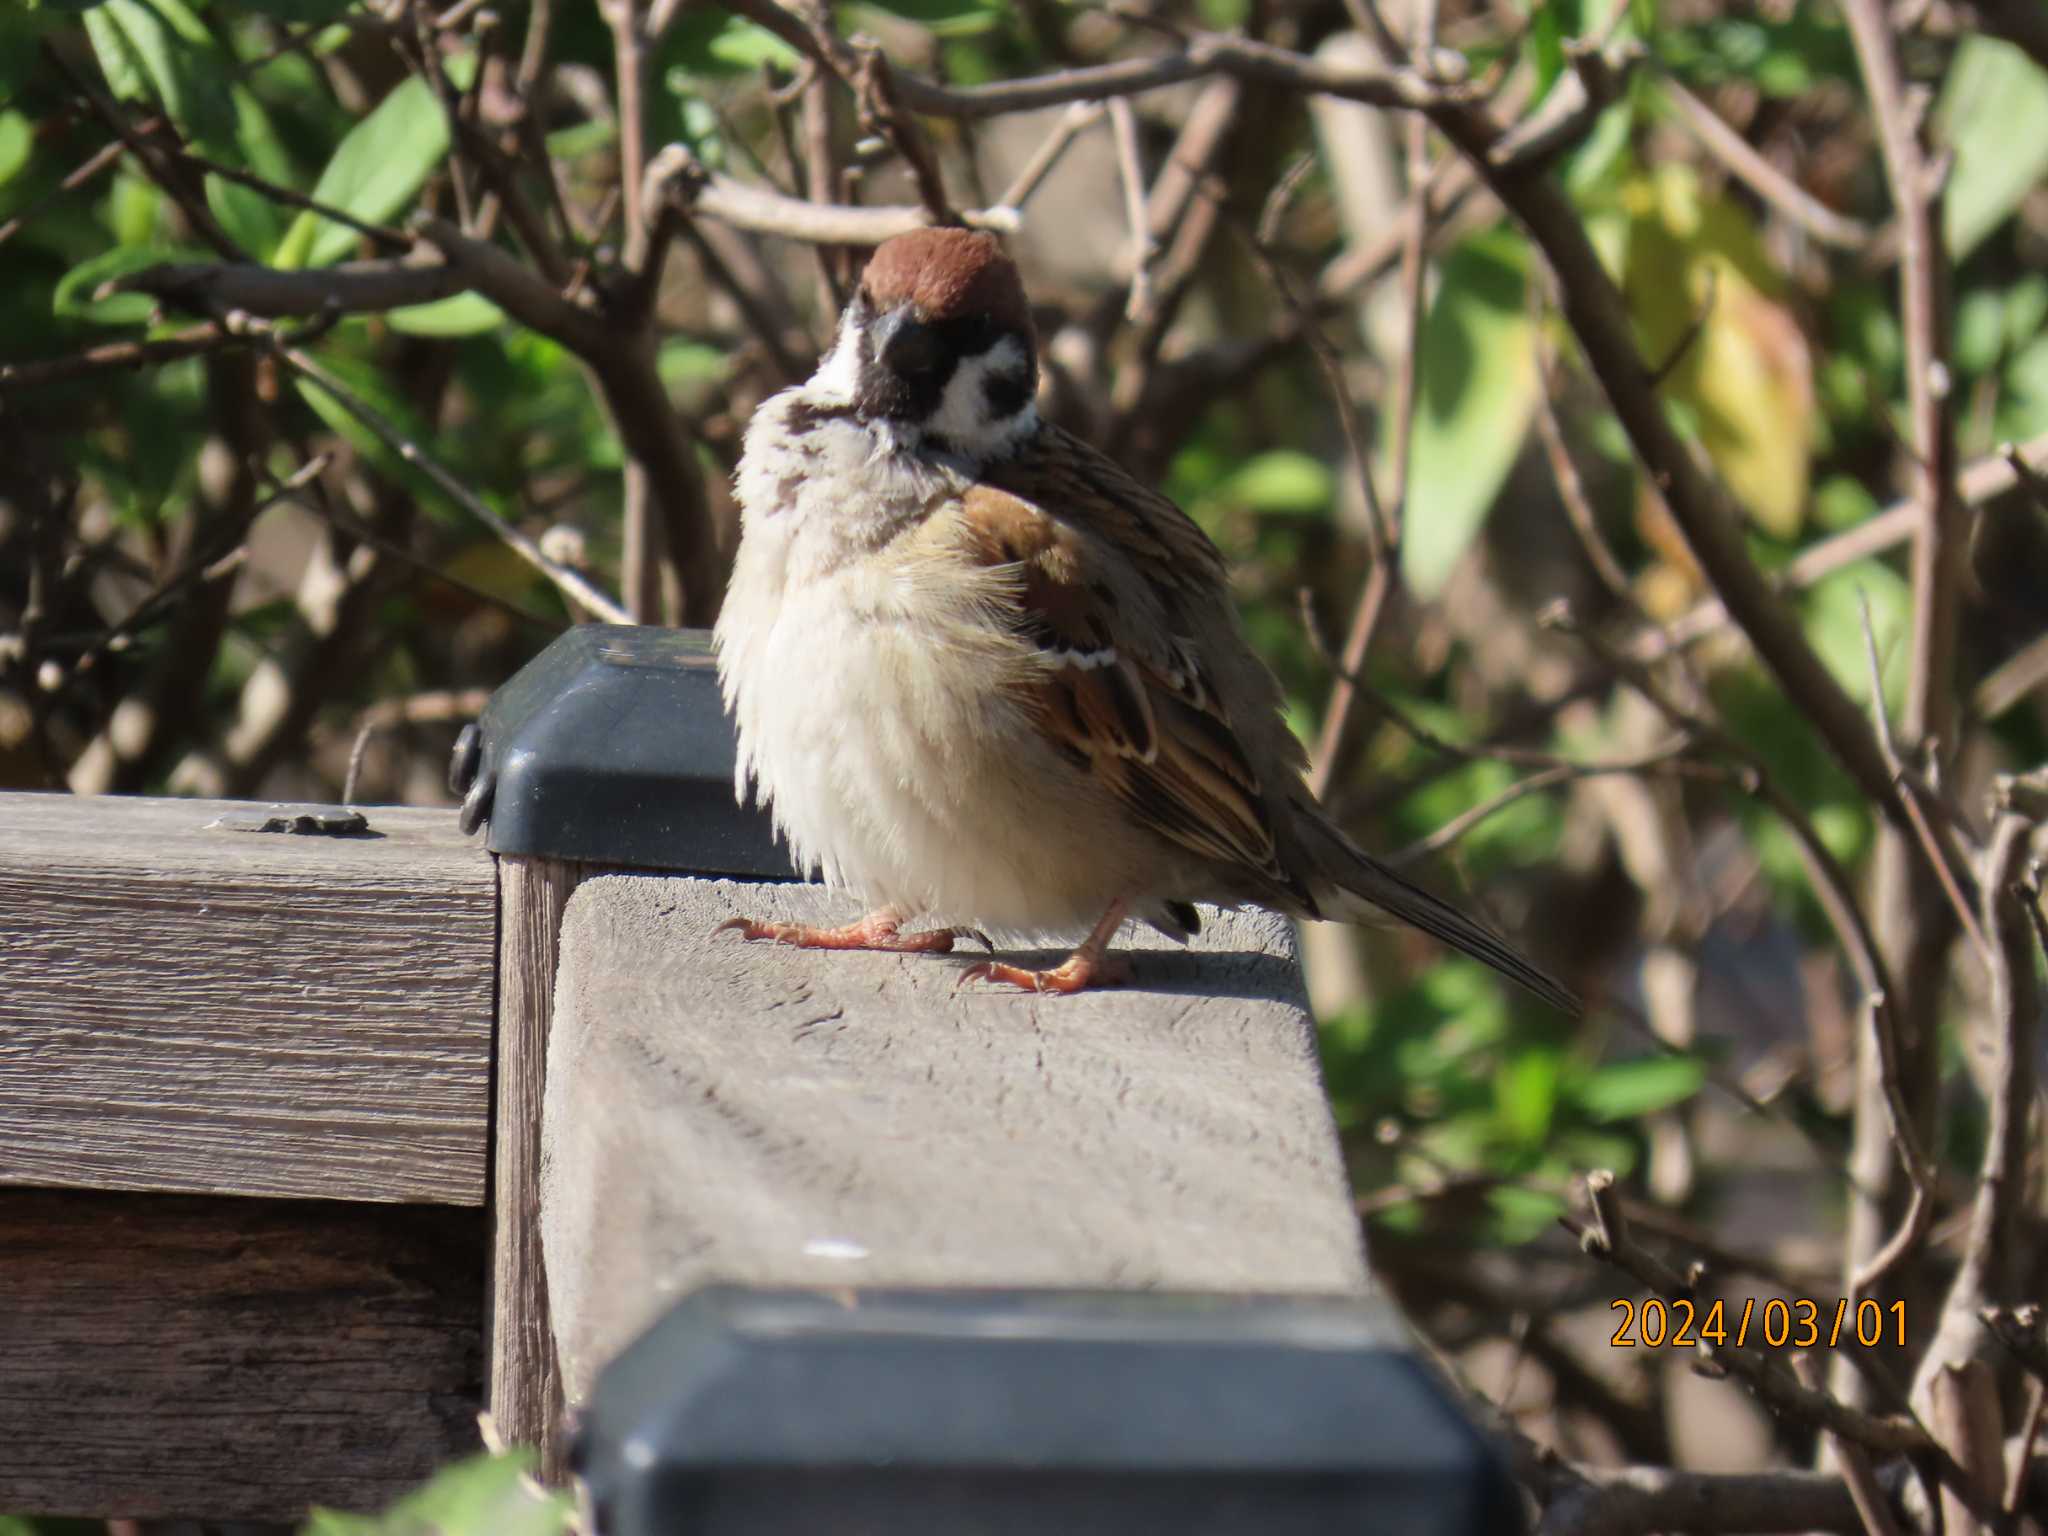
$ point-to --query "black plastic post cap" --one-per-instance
(613, 746)
(857, 1412)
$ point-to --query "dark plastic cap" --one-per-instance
(613, 746)
(751, 1411)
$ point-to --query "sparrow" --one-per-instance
(985, 678)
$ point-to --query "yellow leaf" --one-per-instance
(1746, 379)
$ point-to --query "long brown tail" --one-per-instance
(1361, 889)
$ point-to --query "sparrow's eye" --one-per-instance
(914, 350)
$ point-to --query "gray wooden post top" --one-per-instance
(717, 1110)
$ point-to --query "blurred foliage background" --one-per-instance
(225, 573)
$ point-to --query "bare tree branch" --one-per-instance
(1911, 919)
(1978, 482)
(350, 288)
(678, 174)
(2006, 1041)
(1205, 53)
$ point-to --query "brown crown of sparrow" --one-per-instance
(986, 679)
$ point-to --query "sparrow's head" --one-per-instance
(937, 342)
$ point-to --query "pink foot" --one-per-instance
(872, 932)
(1078, 973)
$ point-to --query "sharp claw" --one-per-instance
(1108, 971)
(1009, 976)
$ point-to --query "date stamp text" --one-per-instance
(1798, 1323)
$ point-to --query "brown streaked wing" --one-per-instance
(1134, 710)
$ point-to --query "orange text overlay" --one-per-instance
(1798, 1323)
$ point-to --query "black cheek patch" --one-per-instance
(884, 392)
(1006, 393)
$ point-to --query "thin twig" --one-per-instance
(1123, 122)
(1381, 533)
(1200, 54)
(1990, 1271)
(1837, 896)
(1689, 337)
(2028, 478)
(86, 169)
(1077, 117)
(1911, 859)
(1939, 856)
(116, 356)
(1604, 1234)
(1854, 1463)
(874, 83)
(1763, 178)
(571, 583)
(434, 708)
(1571, 493)
(381, 234)
(1668, 758)
(1979, 481)
(154, 165)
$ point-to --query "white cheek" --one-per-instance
(839, 373)
(963, 417)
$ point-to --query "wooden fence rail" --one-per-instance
(288, 1156)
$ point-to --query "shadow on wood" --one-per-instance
(178, 1355)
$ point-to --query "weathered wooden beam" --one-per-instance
(191, 1356)
(184, 1006)
(725, 1111)
(525, 1386)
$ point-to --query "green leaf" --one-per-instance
(483, 1496)
(133, 207)
(21, 29)
(2023, 407)
(1979, 330)
(159, 51)
(255, 221)
(293, 10)
(1282, 481)
(1842, 501)
(942, 18)
(707, 42)
(580, 139)
(1476, 398)
(1994, 114)
(73, 297)
(1833, 613)
(1623, 1090)
(17, 142)
(1524, 1214)
(1525, 1094)
(462, 314)
(1780, 58)
(1546, 43)
(375, 171)
(683, 363)
(250, 219)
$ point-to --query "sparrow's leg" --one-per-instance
(1089, 966)
(878, 930)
